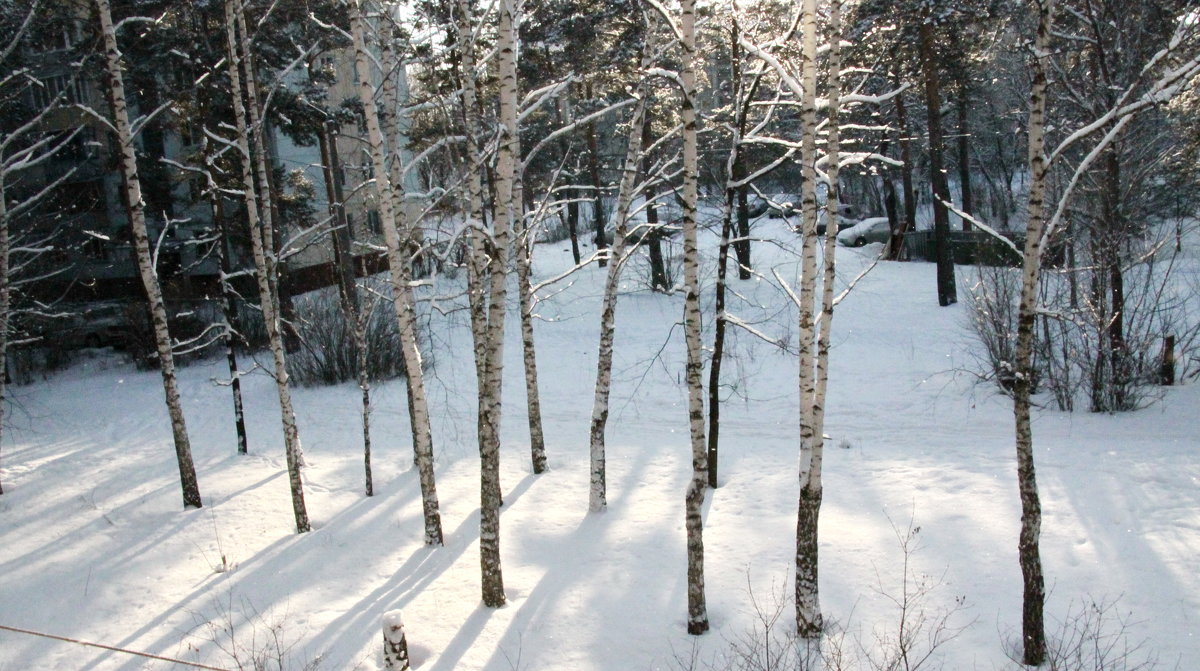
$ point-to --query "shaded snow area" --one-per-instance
(95, 545)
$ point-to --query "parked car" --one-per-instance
(756, 205)
(75, 325)
(847, 217)
(782, 205)
(873, 229)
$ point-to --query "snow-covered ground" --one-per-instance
(95, 545)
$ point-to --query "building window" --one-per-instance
(96, 248)
(82, 197)
(56, 90)
(187, 133)
(196, 189)
(374, 225)
(61, 34)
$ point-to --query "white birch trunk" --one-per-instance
(259, 225)
(524, 265)
(1033, 635)
(832, 197)
(507, 208)
(5, 304)
(362, 318)
(694, 499)
(258, 141)
(808, 607)
(598, 491)
(137, 222)
(477, 259)
(399, 265)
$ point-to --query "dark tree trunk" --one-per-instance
(597, 192)
(1166, 367)
(714, 369)
(283, 288)
(909, 223)
(228, 304)
(806, 559)
(738, 169)
(653, 235)
(742, 246)
(573, 223)
(1111, 239)
(947, 293)
(964, 156)
(889, 202)
(343, 252)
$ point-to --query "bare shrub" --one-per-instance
(1082, 350)
(1094, 635)
(640, 259)
(328, 352)
(993, 321)
(917, 628)
(194, 335)
(247, 639)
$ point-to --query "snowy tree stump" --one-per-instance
(395, 645)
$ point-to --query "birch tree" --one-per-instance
(809, 619)
(526, 301)
(598, 487)
(145, 261)
(694, 500)
(808, 607)
(506, 208)
(258, 218)
(395, 225)
(1162, 76)
(1033, 631)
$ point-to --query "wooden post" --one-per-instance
(395, 645)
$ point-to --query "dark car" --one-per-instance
(847, 217)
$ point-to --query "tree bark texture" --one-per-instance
(342, 237)
(229, 308)
(809, 623)
(718, 351)
(597, 489)
(947, 293)
(832, 200)
(477, 259)
(259, 221)
(533, 402)
(362, 320)
(145, 261)
(526, 300)
(741, 206)
(1033, 634)
(694, 500)
(507, 208)
(399, 265)
(654, 234)
(964, 154)
(909, 222)
(395, 643)
(265, 193)
(599, 237)
(5, 303)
